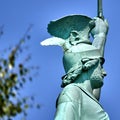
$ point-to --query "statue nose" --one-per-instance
(104, 72)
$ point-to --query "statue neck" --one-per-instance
(87, 85)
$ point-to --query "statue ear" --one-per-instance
(74, 33)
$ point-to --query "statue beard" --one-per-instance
(96, 81)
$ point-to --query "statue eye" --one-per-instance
(74, 34)
(77, 39)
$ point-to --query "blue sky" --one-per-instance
(16, 15)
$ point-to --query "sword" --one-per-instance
(100, 9)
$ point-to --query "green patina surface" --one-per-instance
(83, 61)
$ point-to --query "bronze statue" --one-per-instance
(83, 61)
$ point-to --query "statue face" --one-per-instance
(78, 37)
(74, 38)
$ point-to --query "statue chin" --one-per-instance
(96, 82)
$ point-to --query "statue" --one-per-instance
(83, 63)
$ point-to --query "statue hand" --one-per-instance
(101, 26)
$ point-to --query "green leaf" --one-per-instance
(26, 106)
(0, 68)
(13, 94)
(19, 109)
(13, 77)
(20, 66)
(5, 62)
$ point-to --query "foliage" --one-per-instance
(13, 76)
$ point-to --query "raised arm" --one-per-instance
(99, 33)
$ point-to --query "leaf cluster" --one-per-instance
(13, 76)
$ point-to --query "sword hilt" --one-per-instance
(100, 9)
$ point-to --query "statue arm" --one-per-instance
(99, 33)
